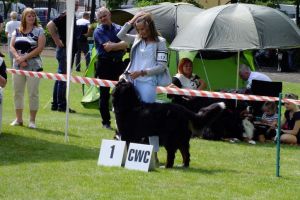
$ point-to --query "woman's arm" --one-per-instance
(161, 59)
(122, 35)
(295, 130)
(14, 52)
(39, 49)
(203, 85)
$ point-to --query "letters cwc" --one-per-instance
(139, 157)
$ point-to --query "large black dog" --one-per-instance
(171, 122)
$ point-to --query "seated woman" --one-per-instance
(265, 128)
(291, 122)
(187, 80)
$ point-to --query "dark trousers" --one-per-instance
(110, 70)
(82, 46)
(59, 90)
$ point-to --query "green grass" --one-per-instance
(39, 164)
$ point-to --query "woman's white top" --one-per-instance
(145, 58)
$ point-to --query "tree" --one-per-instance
(93, 9)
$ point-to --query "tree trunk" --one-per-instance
(93, 9)
(297, 12)
(49, 11)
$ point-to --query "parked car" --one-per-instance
(42, 14)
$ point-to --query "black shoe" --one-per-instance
(2, 55)
(64, 110)
(54, 108)
(107, 126)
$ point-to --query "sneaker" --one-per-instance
(32, 125)
(64, 110)
(16, 123)
(107, 126)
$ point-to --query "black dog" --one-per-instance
(171, 122)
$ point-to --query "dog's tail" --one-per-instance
(206, 116)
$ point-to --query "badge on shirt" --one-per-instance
(162, 56)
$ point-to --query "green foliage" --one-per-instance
(49, 40)
(113, 4)
(143, 3)
(194, 2)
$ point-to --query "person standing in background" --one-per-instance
(58, 31)
(27, 43)
(1, 28)
(110, 50)
(10, 27)
(82, 42)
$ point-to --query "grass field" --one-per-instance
(39, 164)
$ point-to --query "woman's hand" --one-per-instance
(136, 16)
(135, 74)
(20, 59)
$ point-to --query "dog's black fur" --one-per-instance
(171, 122)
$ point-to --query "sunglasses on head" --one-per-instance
(291, 96)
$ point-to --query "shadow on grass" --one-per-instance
(47, 131)
(195, 170)
(268, 144)
(199, 170)
(16, 149)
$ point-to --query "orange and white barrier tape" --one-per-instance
(166, 90)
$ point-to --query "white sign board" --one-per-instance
(139, 157)
(112, 153)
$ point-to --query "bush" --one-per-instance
(49, 41)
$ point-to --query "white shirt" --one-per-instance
(11, 26)
(82, 22)
(144, 58)
(256, 76)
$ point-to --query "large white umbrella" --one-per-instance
(236, 27)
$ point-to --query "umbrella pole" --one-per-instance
(278, 137)
(237, 74)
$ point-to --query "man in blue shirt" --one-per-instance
(110, 50)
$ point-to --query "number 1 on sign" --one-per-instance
(112, 151)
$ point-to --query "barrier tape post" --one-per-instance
(278, 137)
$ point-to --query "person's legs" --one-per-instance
(85, 49)
(61, 85)
(288, 139)
(19, 88)
(104, 105)
(54, 97)
(147, 92)
(78, 56)
(33, 93)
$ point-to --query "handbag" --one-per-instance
(164, 78)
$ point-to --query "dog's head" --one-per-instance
(207, 115)
(124, 96)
